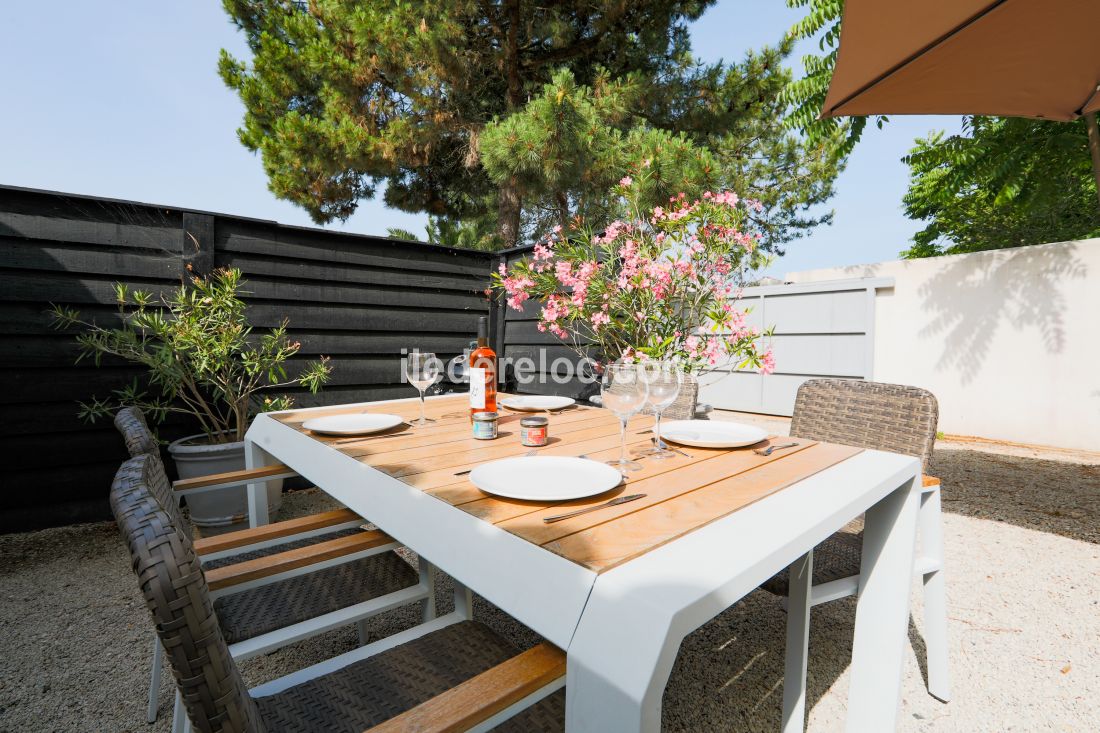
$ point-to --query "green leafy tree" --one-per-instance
(450, 105)
(1003, 182)
(806, 95)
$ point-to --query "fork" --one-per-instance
(665, 446)
(768, 451)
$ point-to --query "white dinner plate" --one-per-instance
(545, 478)
(711, 433)
(536, 402)
(360, 424)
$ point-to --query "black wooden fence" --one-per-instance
(357, 299)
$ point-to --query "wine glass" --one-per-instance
(422, 371)
(623, 391)
(664, 379)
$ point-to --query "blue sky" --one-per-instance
(122, 99)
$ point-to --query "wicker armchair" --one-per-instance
(281, 582)
(246, 544)
(447, 674)
(877, 416)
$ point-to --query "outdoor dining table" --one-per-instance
(619, 588)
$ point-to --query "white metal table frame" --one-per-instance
(622, 628)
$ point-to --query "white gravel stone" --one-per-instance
(1022, 532)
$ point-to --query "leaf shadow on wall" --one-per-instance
(970, 299)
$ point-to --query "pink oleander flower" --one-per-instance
(563, 270)
(517, 291)
(767, 362)
(729, 198)
(684, 268)
(553, 310)
(669, 271)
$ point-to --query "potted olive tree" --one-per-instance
(204, 360)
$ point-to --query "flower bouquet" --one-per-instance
(659, 284)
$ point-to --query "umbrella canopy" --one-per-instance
(1009, 58)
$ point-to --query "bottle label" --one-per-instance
(477, 387)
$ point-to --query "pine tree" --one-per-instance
(433, 101)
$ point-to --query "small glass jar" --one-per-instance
(485, 425)
(534, 431)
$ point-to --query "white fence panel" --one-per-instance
(1008, 339)
(820, 330)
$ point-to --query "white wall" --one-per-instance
(1007, 340)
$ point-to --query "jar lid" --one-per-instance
(485, 416)
(534, 422)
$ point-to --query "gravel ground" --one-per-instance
(1024, 633)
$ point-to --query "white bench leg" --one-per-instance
(464, 601)
(798, 642)
(427, 579)
(935, 597)
(154, 680)
(179, 715)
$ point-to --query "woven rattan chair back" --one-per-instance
(140, 441)
(130, 421)
(889, 417)
(178, 598)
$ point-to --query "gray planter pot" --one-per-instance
(683, 408)
(194, 458)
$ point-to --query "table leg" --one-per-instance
(256, 457)
(426, 572)
(622, 690)
(935, 596)
(882, 611)
(800, 590)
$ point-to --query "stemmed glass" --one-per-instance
(664, 379)
(623, 391)
(422, 370)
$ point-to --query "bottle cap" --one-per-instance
(483, 327)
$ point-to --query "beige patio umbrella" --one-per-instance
(1009, 58)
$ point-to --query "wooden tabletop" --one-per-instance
(682, 493)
